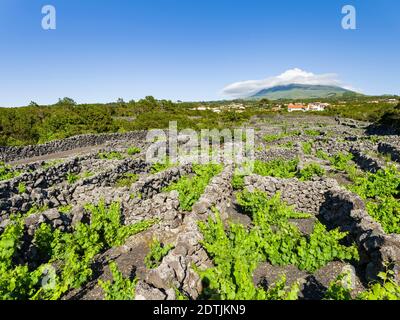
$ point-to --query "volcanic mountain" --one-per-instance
(302, 91)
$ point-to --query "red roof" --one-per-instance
(296, 106)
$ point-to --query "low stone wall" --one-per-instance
(366, 162)
(36, 184)
(378, 250)
(304, 196)
(176, 268)
(8, 154)
(278, 153)
(338, 207)
(391, 149)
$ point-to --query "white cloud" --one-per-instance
(296, 75)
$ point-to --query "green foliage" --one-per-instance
(287, 169)
(309, 171)
(190, 189)
(21, 188)
(36, 209)
(6, 172)
(278, 168)
(237, 251)
(322, 155)
(179, 295)
(50, 164)
(39, 124)
(43, 238)
(133, 150)
(314, 133)
(157, 252)
(307, 147)
(273, 137)
(387, 290)
(288, 145)
(340, 161)
(113, 155)
(238, 182)
(390, 119)
(127, 180)
(381, 184)
(321, 247)
(73, 253)
(263, 209)
(65, 209)
(283, 244)
(16, 281)
(87, 174)
(235, 254)
(387, 212)
(72, 178)
(119, 288)
(340, 288)
(160, 166)
(381, 189)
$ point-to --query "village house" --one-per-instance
(296, 107)
(315, 106)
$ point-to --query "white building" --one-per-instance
(317, 106)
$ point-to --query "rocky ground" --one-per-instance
(73, 174)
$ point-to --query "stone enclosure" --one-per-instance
(50, 185)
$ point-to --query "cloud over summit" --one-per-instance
(296, 75)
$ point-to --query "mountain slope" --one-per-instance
(301, 91)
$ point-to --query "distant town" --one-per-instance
(241, 106)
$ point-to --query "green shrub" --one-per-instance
(6, 172)
(340, 161)
(160, 166)
(383, 183)
(307, 147)
(237, 251)
(157, 252)
(387, 212)
(288, 145)
(309, 171)
(276, 168)
(72, 178)
(235, 256)
(340, 288)
(87, 174)
(386, 289)
(127, 180)
(190, 189)
(133, 150)
(21, 188)
(237, 182)
(314, 133)
(113, 155)
(73, 253)
(65, 209)
(322, 155)
(119, 288)
(52, 163)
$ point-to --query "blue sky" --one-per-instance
(187, 49)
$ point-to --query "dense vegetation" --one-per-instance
(38, 124)
(380, 190)
(280, 168)
(237, 251)
(190, 188)
(71, 253)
